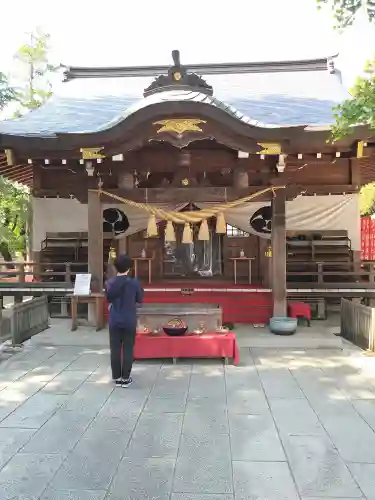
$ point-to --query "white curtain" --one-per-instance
(304, 213)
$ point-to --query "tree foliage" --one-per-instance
(33, 90)
(360, 109)
(36, 71)
(14, 209)
(345, 11)
(7, 93)
(367, 199)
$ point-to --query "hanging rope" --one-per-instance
(187, 217)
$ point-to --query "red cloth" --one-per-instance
(299, 310)
(187, 346)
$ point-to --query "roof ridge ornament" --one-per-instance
(178, 78)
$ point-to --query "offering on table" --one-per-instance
(222, 329)
(175, 327)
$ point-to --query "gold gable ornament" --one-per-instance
(179, 125)
(269, 148)
(92, 153)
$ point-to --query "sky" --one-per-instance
(125, 32)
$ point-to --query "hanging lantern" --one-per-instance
(187, 236)
(221, 226)
(152, 228)
(204, 234)
(268, 252)
(169, 235)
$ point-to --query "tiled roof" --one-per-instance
(272, 99)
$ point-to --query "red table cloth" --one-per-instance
(187, 346)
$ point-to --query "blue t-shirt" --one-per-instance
(123, 294)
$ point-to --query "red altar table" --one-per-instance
(187, 346)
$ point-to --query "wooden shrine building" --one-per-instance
(118, 150)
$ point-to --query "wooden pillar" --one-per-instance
(95, 241)
(279, 253)
(122, 245)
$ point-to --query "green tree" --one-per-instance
(36, 71)
(7, 93)
(360, 108)
(345, 11)
(33, 90)
(14, 209)
(367, 199)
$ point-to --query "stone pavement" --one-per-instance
(284, 425)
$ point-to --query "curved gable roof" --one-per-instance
(300, 96)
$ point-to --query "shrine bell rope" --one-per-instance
(187, 218)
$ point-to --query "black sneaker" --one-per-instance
(127, 382)
(119, 382)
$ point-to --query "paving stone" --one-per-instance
(263, 481)
(351, 435)
(189, 496)
(52, 494)
(198, 447)
(88, 398)
(11, 441)
(143, 479)
(66, 382)
(366, 410)
(89, 361)
(209, 385)
(93, 462)
(156, 436)
(59, 434)
(255, 438)
(34, 412)
(9, 376)
(16, 394)
(166, 404)
(295, 416)
(205, 421)
(48, 370)
(172, 380)
(203, 475)
(280, 383)
(364, 474)
(123, 402)
(317, 467)
(27, 474)
(247, 401)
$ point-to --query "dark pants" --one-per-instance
(121, 343)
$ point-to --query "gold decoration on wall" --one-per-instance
(10, 157)
(179, 125)
(268, 252)
(269, 148)
(360, 147)
(92, 153)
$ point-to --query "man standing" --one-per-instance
(123, 294)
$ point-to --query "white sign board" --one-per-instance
(82, 284)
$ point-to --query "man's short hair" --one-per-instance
(123, 263)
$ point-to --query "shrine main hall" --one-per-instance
(217, 179)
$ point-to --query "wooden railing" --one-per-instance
(333, 272)
(25, 320)
(358, 324)
(45, 272)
